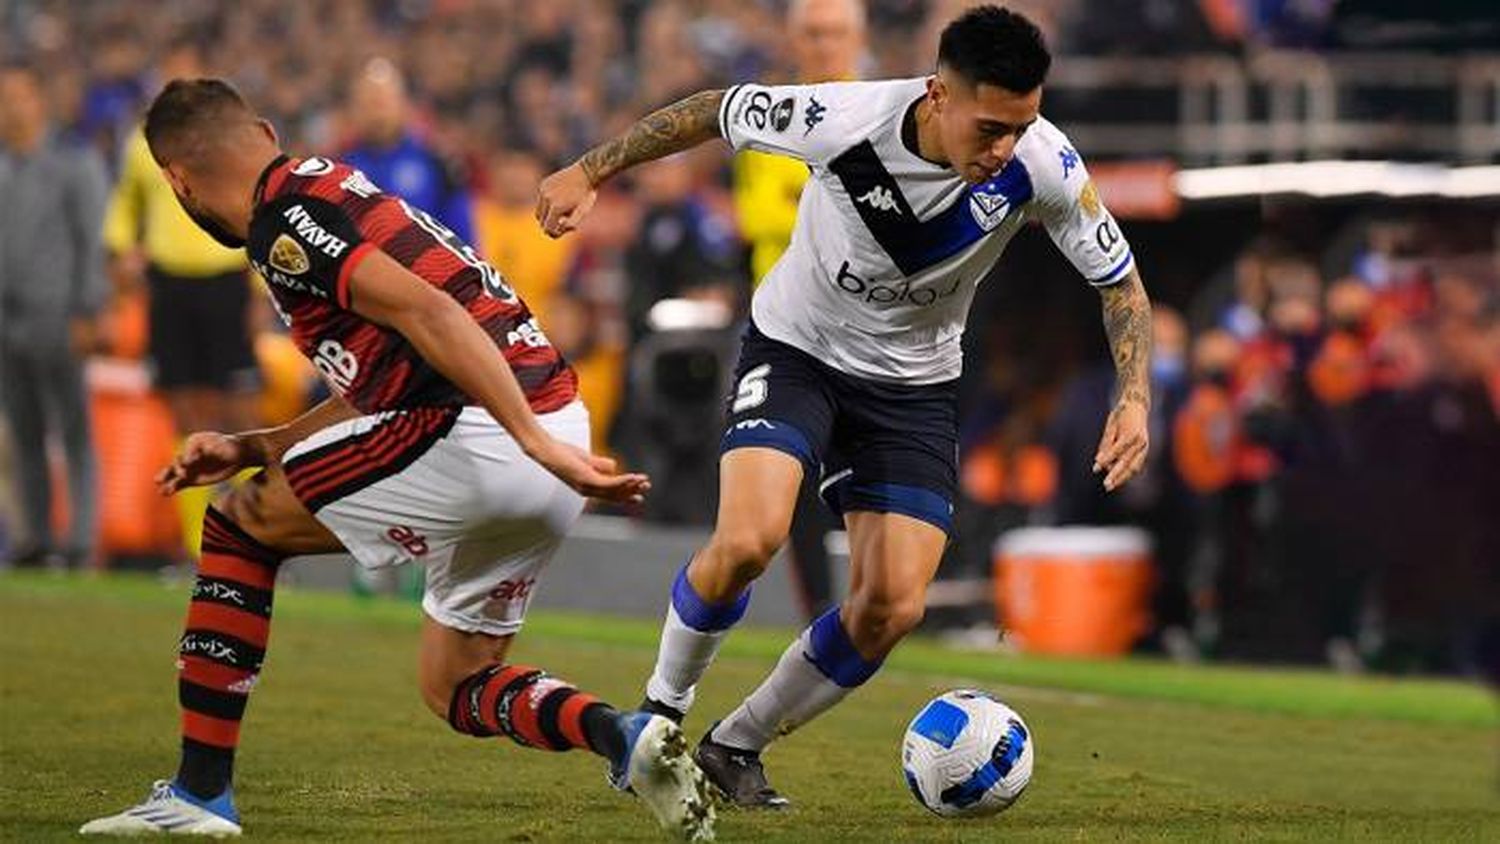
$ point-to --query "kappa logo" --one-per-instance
(287, 256)
(881, 199)
(315, 166)
(989, 209)
(314, 234)
(1069, 158)
(813, 115)
(781, 115)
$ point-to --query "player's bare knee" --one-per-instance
(877, 623)
(249, 507)
(744, 552)
(906, 616)
(240, 508)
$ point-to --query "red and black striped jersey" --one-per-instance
(314, 221)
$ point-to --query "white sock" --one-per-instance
(681, 659)
(800, 688)
(690, 639)
(794, 693)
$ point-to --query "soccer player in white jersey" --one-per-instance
(850, 364)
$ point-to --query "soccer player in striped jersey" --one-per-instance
(454, 439)
(848, 371)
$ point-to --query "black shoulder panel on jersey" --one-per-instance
(301, 243)
(877, 198)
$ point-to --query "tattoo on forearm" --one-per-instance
(679, 126)
(1127, 322)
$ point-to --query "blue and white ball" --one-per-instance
(967, 755)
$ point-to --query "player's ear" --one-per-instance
(937, 91)
(268, 130)
(173, 174)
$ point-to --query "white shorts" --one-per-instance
(448, 488)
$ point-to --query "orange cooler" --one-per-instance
(1075, 591)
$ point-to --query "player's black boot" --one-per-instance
(737, 774)
(658, 708)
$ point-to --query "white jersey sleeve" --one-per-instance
(800, 121)
(1069, 207)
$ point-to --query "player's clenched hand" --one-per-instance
(1122, 449)
(206, 458)
(590, 475)
(563, 200)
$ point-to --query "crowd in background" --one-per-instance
(1325, 427)
(1324, 411)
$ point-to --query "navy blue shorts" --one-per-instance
(887, 448)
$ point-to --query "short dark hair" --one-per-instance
(992, 45)
(22, 68)
(186, 114)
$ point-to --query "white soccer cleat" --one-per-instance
(661, 771)
(171, 811)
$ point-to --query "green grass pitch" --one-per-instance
(338, 747)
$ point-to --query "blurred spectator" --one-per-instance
(827, 39)
(116, 88)
(1208, 440)
(685, 253)
(510, 237)
(1150, 27)
(595, 338)
(828, 42)
(686, 246)
(1236, 300)
(201, 301)
(52, 288)
(388, 150)
(1156, 500)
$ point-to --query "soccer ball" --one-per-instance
(967, 755)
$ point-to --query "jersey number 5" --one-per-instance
(753, 389)
(494, 283)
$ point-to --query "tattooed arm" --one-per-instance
(567, 195)
(679, 126)
(1127, 323)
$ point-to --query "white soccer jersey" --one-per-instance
(888, 247)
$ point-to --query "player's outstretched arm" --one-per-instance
(209, 457)
(566, 196)
(1127, 323)
(448, 338)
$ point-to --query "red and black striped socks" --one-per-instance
(536, 710)
(219, 656)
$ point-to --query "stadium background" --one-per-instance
(1325, 425)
